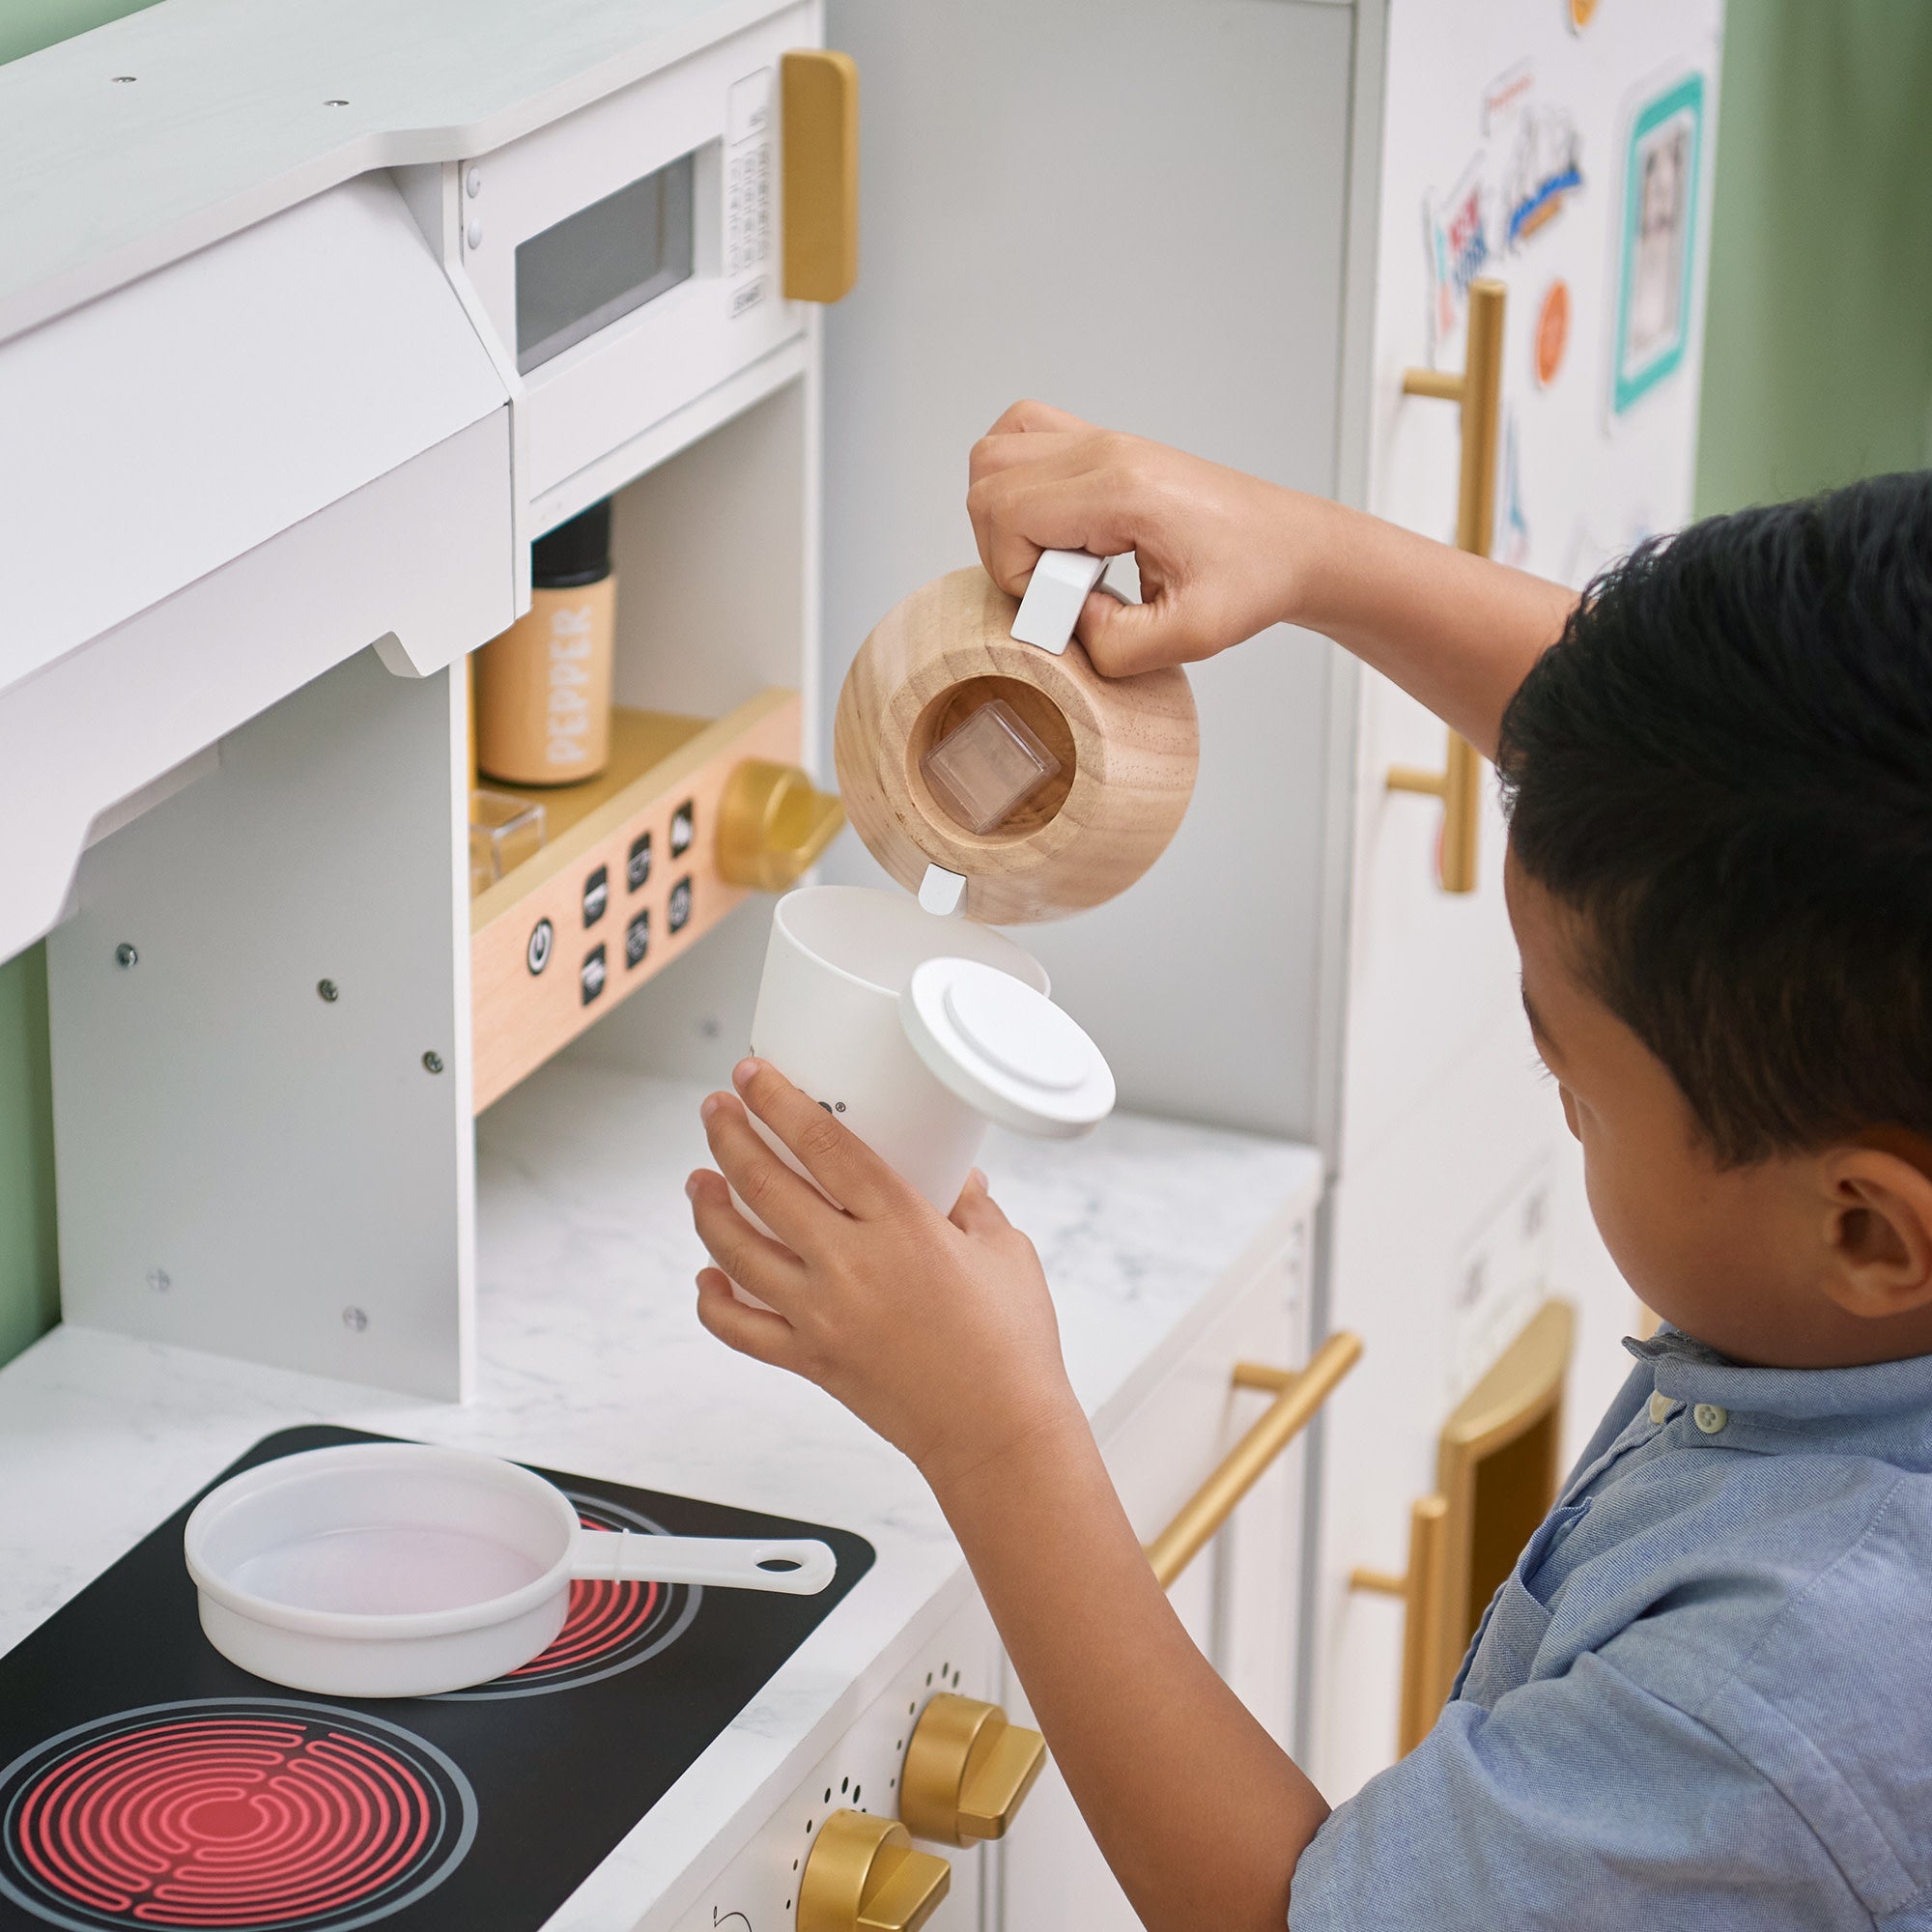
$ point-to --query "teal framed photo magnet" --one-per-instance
(1658, 252)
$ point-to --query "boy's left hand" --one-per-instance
(938, 1331)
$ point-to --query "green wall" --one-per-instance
(1818, 338)
(26, 26)
(1818, 368)
(29, 1298)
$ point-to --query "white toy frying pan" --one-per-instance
(400, 1569)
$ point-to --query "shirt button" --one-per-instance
(1661, 1406)
(1709, 1417)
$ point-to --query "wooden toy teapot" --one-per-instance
(990, 767)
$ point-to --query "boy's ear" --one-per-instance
(1878, 1227)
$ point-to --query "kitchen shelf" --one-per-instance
(627, 881)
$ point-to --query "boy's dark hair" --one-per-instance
(1724, 766)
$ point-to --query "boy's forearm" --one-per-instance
(1200, 1813)
(1457, 633)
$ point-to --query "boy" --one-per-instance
(1704, 1698)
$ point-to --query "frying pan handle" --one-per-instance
(795, 1566)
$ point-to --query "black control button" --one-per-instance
(683, 828)
(637, 871)
(591, 975)
(677, 914)
(596, 894)
(637, 939)
(536, 954)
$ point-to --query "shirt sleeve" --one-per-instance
(1575, 1802)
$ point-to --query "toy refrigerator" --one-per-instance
(1235, 226)
(1563, 149)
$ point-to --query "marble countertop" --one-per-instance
(591, 1360)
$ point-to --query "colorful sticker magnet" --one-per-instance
(1543, 170)
(1456, 238)
(1654, 281)
(1553, 331)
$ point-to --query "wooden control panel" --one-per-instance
(627, 879)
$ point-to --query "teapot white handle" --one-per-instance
(792, 1565)
(1055, 593)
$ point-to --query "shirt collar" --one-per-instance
(1883, 1409)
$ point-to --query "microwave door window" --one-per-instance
(603, 261)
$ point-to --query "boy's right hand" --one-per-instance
(1217, 550)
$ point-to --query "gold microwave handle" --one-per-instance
(1478, 392)
(818, 133)
(1298, 1393)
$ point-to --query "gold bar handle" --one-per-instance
(1478, 392)
(818, 108)
(1298, 1393)
(1421, 1589)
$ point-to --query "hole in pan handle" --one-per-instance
(792, 1565)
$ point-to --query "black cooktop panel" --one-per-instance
(145, 1781)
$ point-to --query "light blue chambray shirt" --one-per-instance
(1703, 1699)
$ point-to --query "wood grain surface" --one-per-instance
(1128, 748)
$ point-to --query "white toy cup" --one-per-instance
(829, 1019)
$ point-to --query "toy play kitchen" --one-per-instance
(314, 321)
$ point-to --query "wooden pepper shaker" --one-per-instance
(543, 688)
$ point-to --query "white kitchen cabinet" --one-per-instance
(1240, 1598)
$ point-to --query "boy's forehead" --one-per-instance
(1550, 939)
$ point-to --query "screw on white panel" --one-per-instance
(473, 183)
(355, 1320)
(432, 1062)
(474, 234)
(335, 103)
(125, 956)
(160, 1280)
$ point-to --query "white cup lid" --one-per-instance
(1007, 1051)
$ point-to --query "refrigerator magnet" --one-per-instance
(1657, 254)
(1553, 331)
(1456, 238)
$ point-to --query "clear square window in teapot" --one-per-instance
(987, 766)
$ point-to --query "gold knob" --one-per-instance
(863, 1875)
(966, 1770)
(773, 825)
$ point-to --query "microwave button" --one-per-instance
(748, 106)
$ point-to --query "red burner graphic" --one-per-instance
(611, 1627)
(244, 1814)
